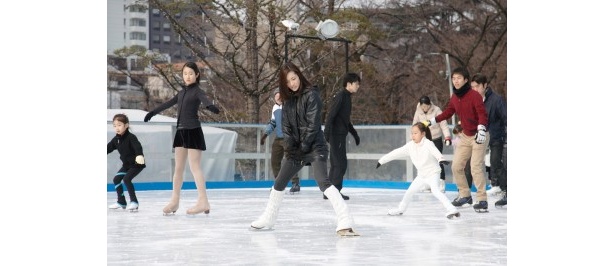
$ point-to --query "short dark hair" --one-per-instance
(351, 78)
(425, 100)
(479, 78)
(461, 71)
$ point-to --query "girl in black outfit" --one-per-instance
(189, 142)
(304, 144)
(133, 162)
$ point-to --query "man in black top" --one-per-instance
(337, 127)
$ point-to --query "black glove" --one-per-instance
(213, 109)
(445, 162)
(295, 154)
(357, 140)
(305, 149)
(378, 165)
(149, 116)
(263, 139)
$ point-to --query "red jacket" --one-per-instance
(469, 107)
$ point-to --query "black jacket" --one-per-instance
(129, 148)
(338, 118)
(188, 101)
(496, 115)
(301, 124)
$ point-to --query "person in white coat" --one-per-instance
(426, 157)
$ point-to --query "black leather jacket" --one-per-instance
(302, 126)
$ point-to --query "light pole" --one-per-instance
(448, 75)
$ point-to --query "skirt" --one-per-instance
(190, 139)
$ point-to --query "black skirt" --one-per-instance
(190, 139)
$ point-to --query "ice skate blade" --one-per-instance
(168, 213)
(262, 229)
(135, 210)
(481, 210)
(194, 214)
(501, 206)
(452, 215)
(393, 213)
(347, 233)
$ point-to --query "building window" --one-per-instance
(138, 36)
(137, 22)
(166, 26)
(178, 40)
(156, 25)
(156, 38)
(156, 12)
(166, 39)
(137, 8)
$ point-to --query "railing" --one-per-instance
(250, 161)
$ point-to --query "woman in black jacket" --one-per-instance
(189, 142)
(304, 145)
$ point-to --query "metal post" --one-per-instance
(450, 82)
(286, 47)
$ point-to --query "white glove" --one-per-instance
(140, 159)
(481, 135)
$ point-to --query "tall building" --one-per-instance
(127, 24)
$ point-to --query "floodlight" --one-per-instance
(290, 24)
(327, 29)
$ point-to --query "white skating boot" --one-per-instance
(344, 220)
(117, 206)
(494, 191)
(268, 218)
(425, 189)
(403, 205)
(442, 185)
(133, 206)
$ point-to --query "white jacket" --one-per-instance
(438, 129)
(424, 155)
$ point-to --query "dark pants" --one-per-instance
(497, 165)
(502, 180)
(277, 153)
(126, 174)
(291, 167)
(338, 160)
(440, 145)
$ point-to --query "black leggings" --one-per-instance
(126, 174)
(291, 167)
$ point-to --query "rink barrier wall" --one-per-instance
(267, 184)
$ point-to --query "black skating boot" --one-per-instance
(502, 202)
(481, 206)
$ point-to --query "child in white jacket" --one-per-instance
(426, 157)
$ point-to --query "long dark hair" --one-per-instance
(284, 90)
(423, 128)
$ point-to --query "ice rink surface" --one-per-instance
(304, 233)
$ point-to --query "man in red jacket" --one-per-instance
(469, 107)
